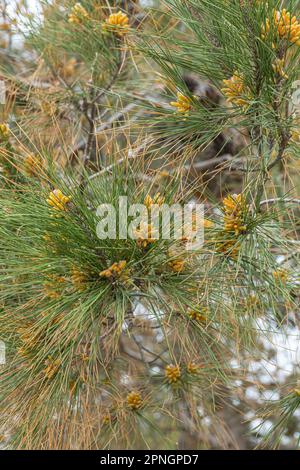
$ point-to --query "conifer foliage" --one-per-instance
(142, 343)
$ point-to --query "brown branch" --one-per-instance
(113, 78)
(131, 155)
(274, 200)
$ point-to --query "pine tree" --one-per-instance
(140, 342)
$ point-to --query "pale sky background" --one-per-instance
(286, 344)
